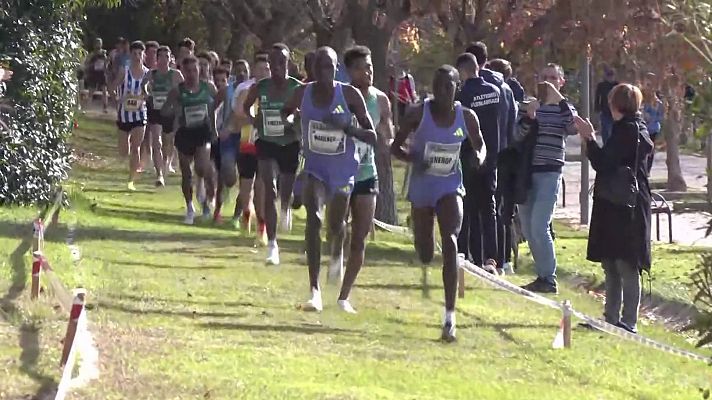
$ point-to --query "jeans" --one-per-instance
(478, 236)
(622, 286)
(535, 216)
(606, 126)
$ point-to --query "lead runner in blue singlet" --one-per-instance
(439, 127)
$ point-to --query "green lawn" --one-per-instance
(192, 312)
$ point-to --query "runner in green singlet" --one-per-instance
(277, 147)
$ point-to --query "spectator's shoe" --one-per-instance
(627, 327)
(448, 333)
(541, 286)
(491, 266)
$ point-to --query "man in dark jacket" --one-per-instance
(479, 229)
(601, 104)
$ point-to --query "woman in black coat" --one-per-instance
(619, 236)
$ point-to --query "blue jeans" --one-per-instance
(536, 215)
(606, 126)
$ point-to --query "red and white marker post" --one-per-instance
(74, 314)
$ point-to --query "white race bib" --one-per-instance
(272, 123)
(159, 99)
(132, 103)
(442, 159)
(326, 141)
(195, 116)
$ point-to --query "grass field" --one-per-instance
(184, 312)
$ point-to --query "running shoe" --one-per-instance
(285, 220)
(448, 332)
(171, 169)
(336, 270)
(207, 213)
(189, 217)
(160, 182)
(217, 218)
(131, 186)
(314, 304)
(272, 253)
(346, 306)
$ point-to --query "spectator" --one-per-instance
(404, 88)
(653, 112)
(601, 104)
(619, 236)
(504, 67)
(94, 73)
(551, 121)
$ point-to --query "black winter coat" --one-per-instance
(618, 232)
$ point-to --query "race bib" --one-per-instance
(195, 115)
(442, 159)
(326, 141)
(272, 123)
(159, 99)
(132, 103)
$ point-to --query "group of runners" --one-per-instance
(293, 143)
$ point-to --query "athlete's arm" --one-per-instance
(364, 132)
(292, 105)
(475, 136)
(118, 79)
(385, 125)
(220, 97)
(410, 123)
(212, 123)
(171, 103)
(250, 99)
(147, 79)
(177, 77)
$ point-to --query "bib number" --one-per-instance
(272, 123)
(326, 141)
(159, 100)
(132, 103)
(442, 159)
(195, 116)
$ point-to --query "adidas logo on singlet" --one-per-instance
(338, 110)
(459, 133)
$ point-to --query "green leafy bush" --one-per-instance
(40, 42)
(702, 282)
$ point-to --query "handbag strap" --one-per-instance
(637, 153)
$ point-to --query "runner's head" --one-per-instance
(138, 50)
(467, 67)
(226, 65)
(502, 66)
(479, 50)
(554, 74)
(214, 59)
(262, 67)
(279, 56)
(163, 57)
(242, 71)
(309, 65)
(98, 44)
(445, 84)
(186, 48)
(359, 66)
(205, 62)
(122, 45)
(151, 50)
(325, 65)
(220, 77)
(191, 70)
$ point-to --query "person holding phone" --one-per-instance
(551, 118)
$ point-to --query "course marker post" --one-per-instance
(37, 235)
(460, 283)
(36, 269)
(74, 313)
(566, 320)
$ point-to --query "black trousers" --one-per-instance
(478, 236)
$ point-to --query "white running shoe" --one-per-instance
(272, 253)
(346, 307)
(285, 220)
(171, 169)
(160, 182)
(189, 217)
(314, 304)
(336, 270)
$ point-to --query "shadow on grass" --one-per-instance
(306, 329)
(172, 313)
(132, 297)
(196, 267)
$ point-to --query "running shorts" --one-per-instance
(287, 156)
(188, 140)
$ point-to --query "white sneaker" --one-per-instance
(345, 306)
(285, 220)
(508, 269)
(272, 253)
(336, 270)
(189, 217)
(171, 169)
(313, 304)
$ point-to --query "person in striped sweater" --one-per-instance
(551, 119)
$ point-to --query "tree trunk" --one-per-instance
(675, 180)
(386, 209)
(708, 152)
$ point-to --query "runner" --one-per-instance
(162, 80)
(327, 108)
(193, 103)
(205, 67)
(220, 77)
(363, 198)
(147, 145)
(95, 78)
(186, 47)
(277, 146)
(247, 161)
(131, 119)
(439, 127)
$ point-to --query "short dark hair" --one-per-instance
(448, 69)
(152, 44)
(221, 71)
(122, 40)
(261, 54)
(137, 45)
(163, 49)
(466, 59)
(261, 58)
(283, 47)
(205, 55)
(502, 66)
(190, 60)
(226, 61)
(187, 43)
(355, 53)
(479, 50)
